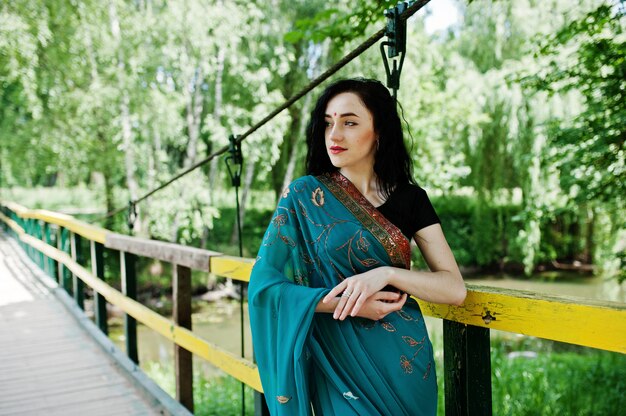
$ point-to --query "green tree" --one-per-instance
(587, 57)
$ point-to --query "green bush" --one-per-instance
(480, 234)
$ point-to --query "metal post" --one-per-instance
(97, 269)
(45, 238)
(64, 273)
(129, 288)
(29, 230)
(182, 317)
(260, 405)
(39, 225)
(53, 240)
(42, 257)
(467, 368)
(78, 287)
(32, 232)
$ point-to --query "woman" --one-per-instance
(333, 326)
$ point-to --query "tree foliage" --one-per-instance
(592, 152)
(518, 108)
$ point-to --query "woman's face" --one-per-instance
(350, 135)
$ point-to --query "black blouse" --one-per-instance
(409, 209)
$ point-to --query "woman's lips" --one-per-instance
(336, 150)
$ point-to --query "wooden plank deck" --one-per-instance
(49, 363)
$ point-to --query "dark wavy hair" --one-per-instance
(392, 163)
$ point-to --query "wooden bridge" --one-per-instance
(46, 340)
(54, 361)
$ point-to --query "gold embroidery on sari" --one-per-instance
(317, 197)
(404, 315)
(388, 326)
(407, 364)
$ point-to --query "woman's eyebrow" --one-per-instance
(343, 115)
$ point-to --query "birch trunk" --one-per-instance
(127, 139)
(194, 114)
(108, 188)
(217, 115)
(297, 145)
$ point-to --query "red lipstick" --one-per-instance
(336, 149)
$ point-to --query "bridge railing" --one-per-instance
(53, 240)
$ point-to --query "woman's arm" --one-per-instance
(375, 307)
(443, 284)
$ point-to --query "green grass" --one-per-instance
(215, 396)
(560, 380)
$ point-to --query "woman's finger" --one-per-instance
(402, 300)
(343, 300)
(346, 303)
(396, 305)
(335, 291)
(385, 295)
(353, 302)
(358, 304)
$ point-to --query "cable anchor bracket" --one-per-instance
(396, 45)
(132, 215)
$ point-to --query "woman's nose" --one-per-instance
(335, 133)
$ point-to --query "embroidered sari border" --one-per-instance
(389, 236)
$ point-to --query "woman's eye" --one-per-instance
(350, 123)
(327, 123)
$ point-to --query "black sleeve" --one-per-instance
(409, 209)
(423, 212)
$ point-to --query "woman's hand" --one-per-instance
(356, 290)
(382, 304)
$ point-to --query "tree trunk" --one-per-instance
(590, 217)
(129, 151)
(108, 193)
(195, 106)
(297, 145)
(194, 115)
(286, 147)
(154, 168)
(219, 77)
(214, 178)
(127, 136)
(108, 188)
(217, 115)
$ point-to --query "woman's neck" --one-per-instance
(364, 180)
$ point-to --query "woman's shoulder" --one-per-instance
(410, 191)
(301, 184)
(308, 181)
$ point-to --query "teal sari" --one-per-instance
(323, 231)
